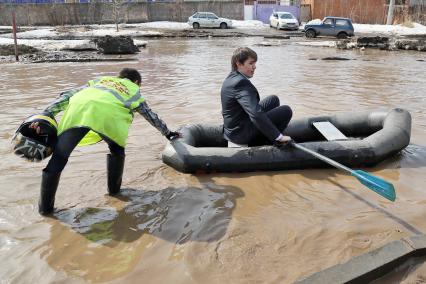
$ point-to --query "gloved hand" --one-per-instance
(39, 129)
(35, 127)
(173, 135)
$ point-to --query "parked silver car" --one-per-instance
(283, 20)
(208, 20)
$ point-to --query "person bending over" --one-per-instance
(101, 110)
(247, 120)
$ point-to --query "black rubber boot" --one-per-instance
(115, 166)
(49, 184)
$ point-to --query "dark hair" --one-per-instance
(131, 74)
(240, 55)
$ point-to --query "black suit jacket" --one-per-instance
(243, 117)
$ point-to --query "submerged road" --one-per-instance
(168, 227)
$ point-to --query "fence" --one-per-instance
(102, 12)
(31, 1)
(418, 13)
(262, 12)
(405, 13)
(262, 9)
(368, 11)
(360, 11)
(85, 1)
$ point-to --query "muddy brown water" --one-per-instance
(168, 227)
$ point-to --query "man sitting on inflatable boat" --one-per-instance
(247, 120)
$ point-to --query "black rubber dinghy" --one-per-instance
(371, 138)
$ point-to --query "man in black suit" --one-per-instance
(247, 120)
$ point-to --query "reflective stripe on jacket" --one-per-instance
(106, 107)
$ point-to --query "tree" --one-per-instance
(389, 20)
(116, 11)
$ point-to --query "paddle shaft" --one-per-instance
(376, 184)
(322, 158)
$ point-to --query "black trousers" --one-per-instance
(67, 141)
(279, 115)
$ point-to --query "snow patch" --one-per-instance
(51, 45)
(390, 29)
(317, 43)
(249, 24)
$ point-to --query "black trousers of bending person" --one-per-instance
(279, 115)
(67, 141)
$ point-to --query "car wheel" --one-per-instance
(342, 35)
(196, 25)
(310, 33)
(223, 25)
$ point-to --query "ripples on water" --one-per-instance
(170, 227)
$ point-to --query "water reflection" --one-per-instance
(177, 215)
(114, 240)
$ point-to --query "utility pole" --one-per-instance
(14, 35)
(389, 20)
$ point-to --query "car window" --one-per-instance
(201, 16)
(342, 23)
(328, 21)
(211, 16)
(286, 16)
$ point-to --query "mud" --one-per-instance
(63, 56)
(272, 38)
(385, 43)
(6, 50)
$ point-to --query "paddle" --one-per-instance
(374, 183)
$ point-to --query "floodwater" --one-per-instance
(168, 227)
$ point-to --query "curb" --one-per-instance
(372, 265)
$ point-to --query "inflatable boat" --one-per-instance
(363, 139)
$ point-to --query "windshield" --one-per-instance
(286, 16)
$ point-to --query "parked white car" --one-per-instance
(208, 20)
(283, 20)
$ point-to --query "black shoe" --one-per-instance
(115, 166)
(49, 184)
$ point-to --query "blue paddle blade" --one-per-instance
(376, 184)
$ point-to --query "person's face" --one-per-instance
(247, 68)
